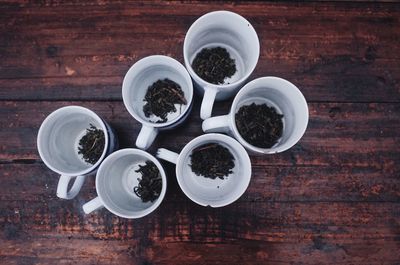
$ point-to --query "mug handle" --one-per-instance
(93, 205)
(208, 102)
(146, 137)
(216, 124)
(62, 187)
(167, 155)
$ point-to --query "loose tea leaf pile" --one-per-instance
(91, 145)
(161, 98)
(212, 161)
(149, 187)
(259, 125)
(214, 65)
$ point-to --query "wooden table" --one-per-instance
(334, 198)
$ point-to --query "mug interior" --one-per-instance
(58, 139)
(230, 31)
(116, 179)
(142, 75)
(286, 99)
(214, 192)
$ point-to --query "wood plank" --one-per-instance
(34, 182)
(320, 233)
(31, 215)
(85, 251)
(338, 134)
(187, 221)
(334, 198)
(331, 210)
(291, 222)
(9, 4)
(349, 4)
(76, 56)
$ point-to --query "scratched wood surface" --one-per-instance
(334, 198)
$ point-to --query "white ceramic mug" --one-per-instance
(115, 181)
(136, 82)
(205, 191)
(58, 141)
(285, 97)
(232, 32)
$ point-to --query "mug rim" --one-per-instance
(189, 66)
(219, 138)
(93, 115)
(129, 151)
(156, 59)
(249, 86)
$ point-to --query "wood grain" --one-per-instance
(332, 51)
(340, 134)
(312, 233)
(329, 197)
(334, 198)
(85, 251)
(37, 224)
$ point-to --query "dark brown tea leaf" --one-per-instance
(214, 65)
(149, 187)
(161, 98)
(259, 125)
(212, 161)
(91, 145)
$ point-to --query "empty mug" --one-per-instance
(115, 183)
(279, 93)
(136, 82)
(58, 141)
(205, 191)
(230, 31)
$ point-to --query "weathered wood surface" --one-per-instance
(277, 228)
(332, 51)
(334, 198)
(339, 134)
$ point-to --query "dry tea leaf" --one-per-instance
(150, 185)
(214, 65)
(259, 125)
(161, 98)
(212, 161)
(91, 145)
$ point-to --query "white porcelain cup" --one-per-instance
(136, 82)
(58, 141)
(232, 32)
(285, 97)
(205, 191)
(115, 181)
